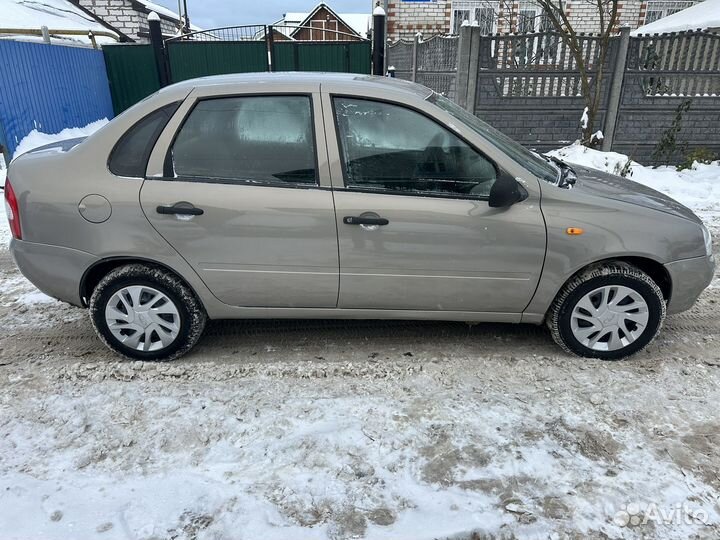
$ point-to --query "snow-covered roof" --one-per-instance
(166, 13)
(160, 10)
(55, 14)
(706, 14)
(359, 22)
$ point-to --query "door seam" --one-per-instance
(332, 192)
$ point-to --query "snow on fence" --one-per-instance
(49, 88)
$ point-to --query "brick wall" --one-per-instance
(405, 19)
(434, 17)
(125, 17)
(584, 15)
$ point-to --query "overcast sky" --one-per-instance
(215, 13)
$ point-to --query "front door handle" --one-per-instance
(182, 209)
(362, 220)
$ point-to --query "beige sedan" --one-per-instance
(340, 196)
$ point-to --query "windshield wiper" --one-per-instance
(567, 174)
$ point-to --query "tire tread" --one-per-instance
(197, 316)
(609, 269)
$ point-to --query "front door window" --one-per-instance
(393, 149)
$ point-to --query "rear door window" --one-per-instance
(250, 139)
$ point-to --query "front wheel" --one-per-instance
(146, 313)
(609, 311)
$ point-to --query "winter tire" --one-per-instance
(146, 313)
(608, 311)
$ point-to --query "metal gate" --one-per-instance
(243, 49)
(236, 49)
(337, 52)
(134, 70)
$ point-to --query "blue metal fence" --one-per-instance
(49, 88)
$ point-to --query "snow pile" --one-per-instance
(36, 138)
(697, 188)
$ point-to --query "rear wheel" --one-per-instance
(146, 313)
(609, 311)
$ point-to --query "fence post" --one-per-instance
(416, 42)
(270, 40)
(45, 34)
(463, 64)
(616, 88)
(378, 52)
(473, 68)
(156, 40)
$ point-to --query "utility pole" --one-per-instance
(187, 18)
(378, 50)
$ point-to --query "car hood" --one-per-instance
(610, 186)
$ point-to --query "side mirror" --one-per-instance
(506, 191)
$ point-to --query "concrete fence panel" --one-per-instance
(529, 85)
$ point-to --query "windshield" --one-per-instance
(535, 163)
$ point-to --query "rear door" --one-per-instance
(415, 229)
(241, 197)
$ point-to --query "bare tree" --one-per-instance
(591, 85)
(589, 64)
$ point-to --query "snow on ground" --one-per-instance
(4, 227)
(355, 430)
(697, 188)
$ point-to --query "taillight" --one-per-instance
(13, 212)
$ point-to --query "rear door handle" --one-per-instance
(185, 210)
(360, 220)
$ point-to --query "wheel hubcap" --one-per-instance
(142, 318)
(609, 318)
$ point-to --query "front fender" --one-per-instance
(612, 229)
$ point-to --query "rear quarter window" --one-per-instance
(130, 155)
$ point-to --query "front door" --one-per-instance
(415, 229)
(241, 202)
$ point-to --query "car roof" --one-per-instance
(348, 81)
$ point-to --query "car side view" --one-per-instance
(303, 195)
